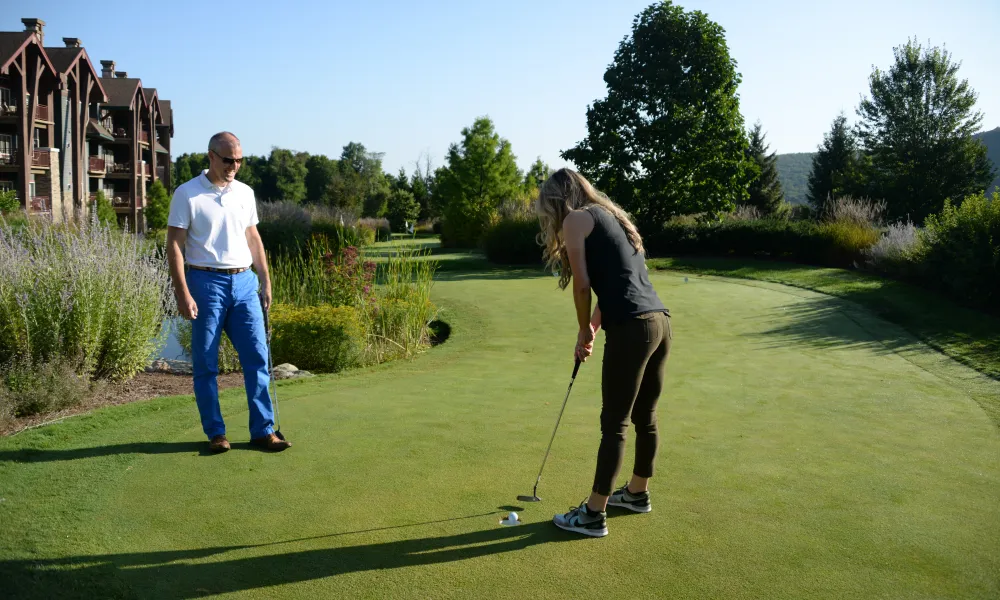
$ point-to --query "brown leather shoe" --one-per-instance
(271, 442)
(218, 444)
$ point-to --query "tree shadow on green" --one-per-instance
(170, 574)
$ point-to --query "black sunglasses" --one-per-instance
(227, 160)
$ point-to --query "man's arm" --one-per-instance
(175, 258)
(260, 264)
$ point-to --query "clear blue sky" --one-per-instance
(404, 78)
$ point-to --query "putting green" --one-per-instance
(808, 450)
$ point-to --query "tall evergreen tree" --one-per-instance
(480, 175)
(765, 190)
(835, 168)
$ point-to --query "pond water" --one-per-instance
(172, 350)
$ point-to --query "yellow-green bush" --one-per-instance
(847, 241)
(318, 338)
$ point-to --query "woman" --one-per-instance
(592, 242)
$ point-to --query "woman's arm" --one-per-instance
(576, 227)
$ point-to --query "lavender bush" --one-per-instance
(87, 294)
(895, 249)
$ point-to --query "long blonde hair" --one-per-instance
(563, 192)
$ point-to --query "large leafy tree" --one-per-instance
(286, 176)
(836, 167)
(320, 172)
(765, 189)
(481, 174)
(669, 137)
(916, 131)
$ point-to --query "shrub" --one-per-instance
(830, 244)
(846, 242)
(157, 206)
(320, 338)
(960, 251)
(229, 359)
(8, 202)
(366, 234)
(88, 294)
(103, 211)
(896, 251)
(29, 389)
(335, 236)
(383, 232)
(513, 241)
(349, 280)
(284, 228)
(852, 210)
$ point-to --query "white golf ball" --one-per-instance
(512, 517)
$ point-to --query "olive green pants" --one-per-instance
(635, 361)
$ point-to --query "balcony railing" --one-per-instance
(98, 165)
(147, 169)
(40, 204)
(40, 158)
(8, 110)
(120, 168)
(144, 136)
(41, 113)
(8, 159)
(120, 133)
(161, 173)
(116, 200)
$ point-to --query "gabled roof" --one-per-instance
(153, 100)
(64, 59)
(168, 115)
(122, 91)
(12, 43)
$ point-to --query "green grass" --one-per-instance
(809, 449)
(966, 335)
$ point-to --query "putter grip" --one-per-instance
(576, 368)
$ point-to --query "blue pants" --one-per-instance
(229, 303)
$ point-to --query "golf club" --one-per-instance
(270, 375)
(534, 493)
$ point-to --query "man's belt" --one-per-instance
(214, 270)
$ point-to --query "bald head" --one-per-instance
(224, 158)
(223, 141)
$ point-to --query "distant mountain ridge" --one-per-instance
(794, 168)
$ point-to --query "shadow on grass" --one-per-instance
(825, 323)
(170, 574)
(32, 455)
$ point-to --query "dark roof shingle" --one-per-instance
(121, 90)
(10, 43)
(64, 58)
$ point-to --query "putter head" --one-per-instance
(531, 498)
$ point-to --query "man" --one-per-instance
(213, 227)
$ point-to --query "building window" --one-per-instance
(6, 186)
(8, 148)
(31, 189)
(6, 99)
(38, 138)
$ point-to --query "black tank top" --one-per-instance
(617, 272)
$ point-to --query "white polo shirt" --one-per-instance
(216, 219)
